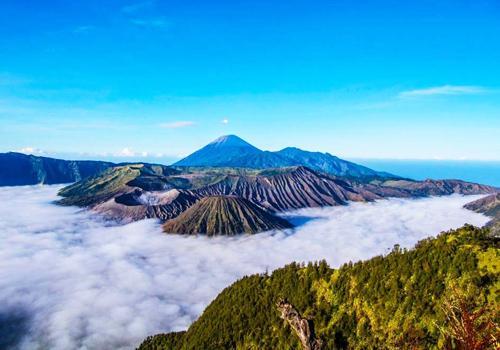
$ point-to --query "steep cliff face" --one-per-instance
(224, 215)
(20, 169)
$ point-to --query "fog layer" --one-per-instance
(68, 280)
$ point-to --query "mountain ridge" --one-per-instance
(232, 151)
(19, 169)
(135, 192)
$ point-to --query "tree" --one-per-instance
(469, 327)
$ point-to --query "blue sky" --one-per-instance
(158, 79)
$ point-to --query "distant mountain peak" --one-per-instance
(231, 140)
(228, 150)
(232, 151)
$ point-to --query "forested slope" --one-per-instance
(397, 301)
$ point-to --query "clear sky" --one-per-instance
(366, 79)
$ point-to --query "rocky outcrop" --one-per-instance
(303, 328)
(224, 215)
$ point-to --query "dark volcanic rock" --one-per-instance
(224, 215)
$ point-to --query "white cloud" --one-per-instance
(225, 121)
(444, 90)
(177, 124)
(129, 152)
(32, 150)
(78, 282)
(125, 152)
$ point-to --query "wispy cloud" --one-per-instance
(155, 23)
(136, 7)
(444, 90)
(177, 124)
(225, 121)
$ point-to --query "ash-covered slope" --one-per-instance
(224, 215)
(18, 169)
(286, 189)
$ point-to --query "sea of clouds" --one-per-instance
(68, 280)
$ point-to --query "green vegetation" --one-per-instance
(388, 302)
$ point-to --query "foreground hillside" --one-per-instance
(405, 300)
